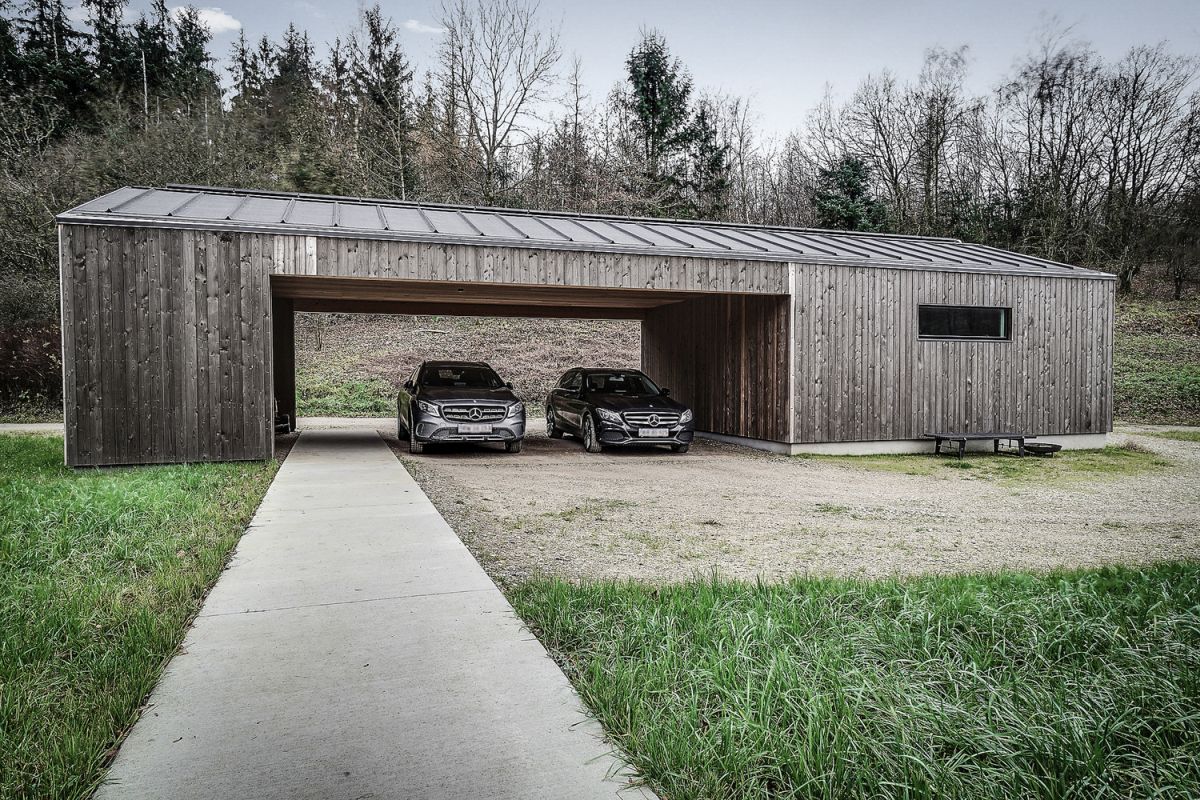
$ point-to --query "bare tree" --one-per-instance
(501, 62)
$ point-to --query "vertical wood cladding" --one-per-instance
(727, 358)
(167, 338)
(863, 374)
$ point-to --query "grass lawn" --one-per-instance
(1156, 361)
(1064, 467)
(1179, 436)
(321, 396)
(1082, 684)
(100, 572)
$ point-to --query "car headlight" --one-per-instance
(516, 409)
(609, 416)
(429, 408)
(685, 417)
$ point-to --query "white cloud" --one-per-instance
(215, 19)
(416, 26)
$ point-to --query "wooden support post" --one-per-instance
(283, 355)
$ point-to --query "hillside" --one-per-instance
(352, 365)
(1156, 361)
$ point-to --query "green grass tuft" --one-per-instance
(1156, 362)
(1067, 466)
(1179, 436)
(100, 571)
(1082, 684)
(323, 397)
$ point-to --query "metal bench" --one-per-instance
(1017, 439)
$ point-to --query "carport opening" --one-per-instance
(352, 342)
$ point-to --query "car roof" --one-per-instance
(454, 364)
(592, 370)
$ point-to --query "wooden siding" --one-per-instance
(166, 336)
(862, 373)
(357, 258)
(727, 358)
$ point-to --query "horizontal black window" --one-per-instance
(964, 322)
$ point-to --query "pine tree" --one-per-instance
(381, 81)
(191, 71)
(659, 96)
(53, 64)
(843, 200)
(708, 182)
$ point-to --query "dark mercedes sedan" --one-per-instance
(617, 408)
(458, 401)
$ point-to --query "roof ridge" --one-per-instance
(535, 211)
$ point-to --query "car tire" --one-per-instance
(591, 442)
(513, 446)
(415, 447)
(552, 429)
(680, 448)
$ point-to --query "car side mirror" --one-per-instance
(666, 392)
(408, 386)
(508, 385)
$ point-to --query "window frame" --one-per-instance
(1007, 316)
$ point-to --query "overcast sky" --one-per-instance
(779, 54)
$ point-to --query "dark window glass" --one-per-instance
(964, 322)
(629, 383)
(461, 378)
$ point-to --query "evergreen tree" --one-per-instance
(381, 79)
(843, 200)
(114, 52)
(54, 71)
(191, 70)
(708, 181)
(659, 96)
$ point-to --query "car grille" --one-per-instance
(471, 413)
(651, 419)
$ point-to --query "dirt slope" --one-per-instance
(352, 364)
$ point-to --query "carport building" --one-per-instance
(178, 310)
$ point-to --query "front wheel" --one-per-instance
(680, 448)
(552, 429)
(513, 446)
(591, 442)
(415, 447)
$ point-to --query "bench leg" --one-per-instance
(1021, 448)
(962, 447)
(995, 446)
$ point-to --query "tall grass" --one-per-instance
(1080, 685)
(100, 571)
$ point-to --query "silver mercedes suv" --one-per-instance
(458, 401)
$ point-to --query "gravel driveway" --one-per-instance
(659, 516)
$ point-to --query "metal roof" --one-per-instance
(209, 208)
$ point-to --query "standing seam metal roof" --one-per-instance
(210, 208)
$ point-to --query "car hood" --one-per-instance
(443, 393)
(620, 402)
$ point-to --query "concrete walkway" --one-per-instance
(355, 649)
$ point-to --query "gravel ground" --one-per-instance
(660, 517)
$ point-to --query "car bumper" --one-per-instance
(614, 435)
(435, 429)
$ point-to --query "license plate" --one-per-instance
(474, 428)
(653, 433)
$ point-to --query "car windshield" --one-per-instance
(627, 383)
(461, 378)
